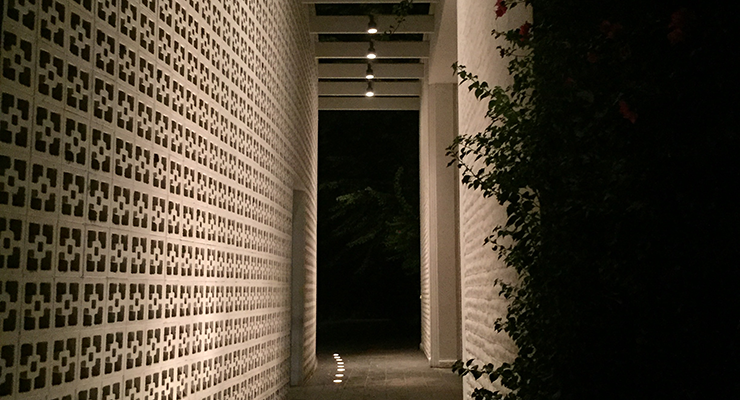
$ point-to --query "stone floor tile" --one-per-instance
(379, 375)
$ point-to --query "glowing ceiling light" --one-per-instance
(371, 51)
(372, 28)
(369, 93)
(369, 74)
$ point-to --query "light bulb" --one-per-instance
(369, 93)
(371, 51)
(371, 27)
(369, 74)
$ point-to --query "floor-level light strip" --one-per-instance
(340, 368)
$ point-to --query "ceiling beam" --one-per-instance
(380, 88)
(369, 103)
(358, 24)
(387, 71)
(382, 49)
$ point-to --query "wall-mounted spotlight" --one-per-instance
(371, 51)
(369, 74)
(371, 26)
(369, 92)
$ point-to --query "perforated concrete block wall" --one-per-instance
(148, 154)
(481, 304)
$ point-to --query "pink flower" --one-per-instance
(676, 36)
(610, 29)
(524, 31)
(681, 21)
(626, 112)
(593, 58)
(500, 8)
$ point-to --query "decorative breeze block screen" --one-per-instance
(148, 153)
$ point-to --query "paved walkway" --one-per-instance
(375, 374)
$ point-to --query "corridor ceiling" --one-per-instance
(339, 29)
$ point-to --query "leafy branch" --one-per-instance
(581, 147)
(401, 11)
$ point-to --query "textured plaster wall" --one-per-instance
(148, 154)
(481, 304)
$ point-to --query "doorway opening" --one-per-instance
(368, 230)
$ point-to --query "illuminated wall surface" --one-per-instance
(148, 156)
(482, 303)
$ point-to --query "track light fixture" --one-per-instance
(371, 51)
(371, 26)
(369, 74)
(369, 92)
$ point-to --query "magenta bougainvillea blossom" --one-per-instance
(524, 30)
(627, 112)
(610, 29)
(500, 8)
(681, 21)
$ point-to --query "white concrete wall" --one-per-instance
(149, 150)
(481, 304)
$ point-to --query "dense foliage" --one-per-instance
(615, 152)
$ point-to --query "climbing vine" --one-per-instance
(614, 144)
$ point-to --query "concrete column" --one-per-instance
(444, 277)
(298, 289)
(441, 317)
